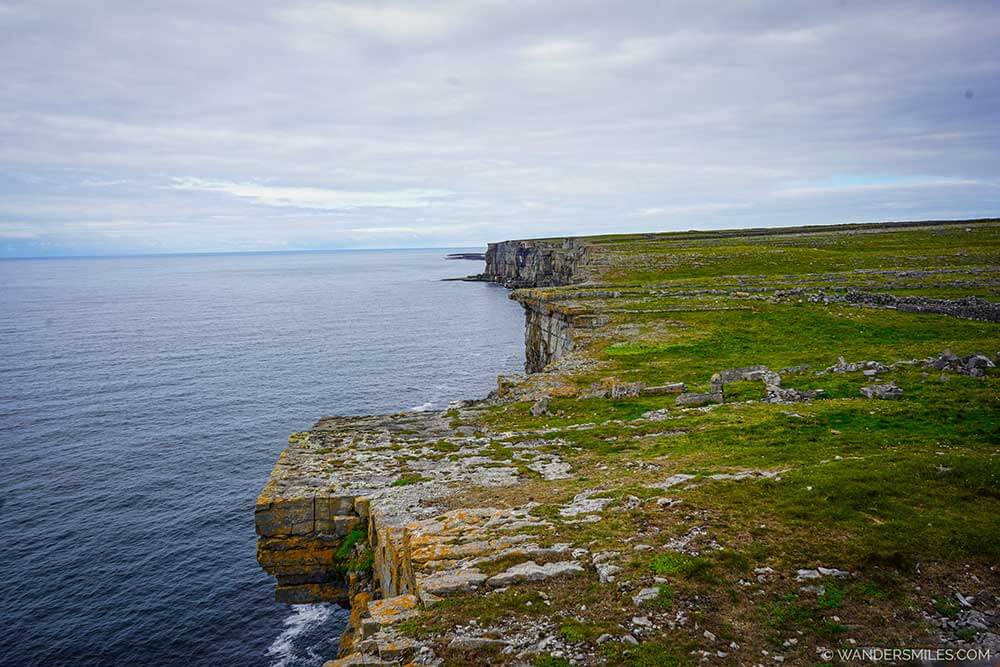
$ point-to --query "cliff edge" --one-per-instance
(749, 446)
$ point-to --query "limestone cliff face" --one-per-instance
(536, 263)
(359, 505)
(307, 528)
(549, 328)
(540, 263)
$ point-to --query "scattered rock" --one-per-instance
(883, 391)
(606, 570)
(646, 595)
(626, 390)
(675, 388)
(448, 582)
(631, 503)
(540, 407)
(694, 400)
(476, 644)
(551, 470)
(583, 503)
(532, 571)
(974, 365)
(776, 394)
(806, 575)
(656, 415)
(673, 480)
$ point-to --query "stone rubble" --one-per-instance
(974, 365)
(883, 391)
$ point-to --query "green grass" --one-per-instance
(873, 487)
(629, 349)
(665, 598)
(347, 546)
(409, 479)
(550, 661)
(674, 563)
(648, 654)
(946, 606)
(832, 597)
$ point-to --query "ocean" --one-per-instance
(143, 401)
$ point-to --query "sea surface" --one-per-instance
(143, 401)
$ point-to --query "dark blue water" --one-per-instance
(143, 402)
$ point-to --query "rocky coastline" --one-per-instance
(394, 515)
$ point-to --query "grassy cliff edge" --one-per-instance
(734, 447)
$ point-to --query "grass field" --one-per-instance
(903, 496)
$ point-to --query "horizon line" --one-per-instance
(749, 228)
(194, 253)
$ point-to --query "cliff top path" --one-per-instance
(735, 447)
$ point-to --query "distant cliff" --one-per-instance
(536, 263)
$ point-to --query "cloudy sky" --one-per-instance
(146, 126)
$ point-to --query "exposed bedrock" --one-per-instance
(535, 263)
(549, 328)
(360, 492)
(547, 336)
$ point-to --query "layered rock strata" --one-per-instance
(536, 263)
(355, 493)
(550, 326)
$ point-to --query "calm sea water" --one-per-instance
(143, 402)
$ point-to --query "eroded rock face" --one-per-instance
(376, 481)
(535, 263)
(547, 335)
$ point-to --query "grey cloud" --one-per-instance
(535, 118)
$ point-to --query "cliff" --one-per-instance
(726, 441)
(538, 263)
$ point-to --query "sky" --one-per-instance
(135, 126)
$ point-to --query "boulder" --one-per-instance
(476, 644)
(452, 581)
(626, 390)
(694, 400)
(883, 391)
(777, 394)
(675, 388)
(646, 595)
(532, 571)
(540, 407)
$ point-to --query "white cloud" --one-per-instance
(409, 230)
(317, 198)
(19, 230)
(899, 184)
(689, 209)
(584, 57)
(388, 22)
